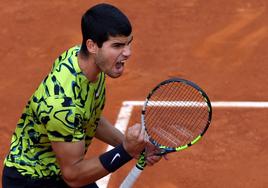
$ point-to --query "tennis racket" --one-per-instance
(176, 114)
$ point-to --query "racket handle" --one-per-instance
(131, 178)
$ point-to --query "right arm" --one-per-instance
(78, 171)
(107, 133)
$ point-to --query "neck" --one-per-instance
(88, 67)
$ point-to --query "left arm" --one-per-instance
(107, 133)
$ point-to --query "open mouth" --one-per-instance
(119, 65)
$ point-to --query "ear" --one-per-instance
(92, 47)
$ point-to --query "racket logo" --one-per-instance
(117, 155)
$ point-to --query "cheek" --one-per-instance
(113, 54)
(106, 61)
(108, 57)
(112, 57)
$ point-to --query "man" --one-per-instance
(64, 113)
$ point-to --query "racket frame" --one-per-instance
(137, 170)
(165, 149)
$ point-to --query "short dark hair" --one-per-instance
(100, 22)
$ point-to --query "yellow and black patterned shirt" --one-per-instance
(65, 107)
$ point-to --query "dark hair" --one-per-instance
(100, 22)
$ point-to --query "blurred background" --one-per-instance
(219, 44)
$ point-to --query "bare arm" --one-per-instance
(108, 133)
(78, 171)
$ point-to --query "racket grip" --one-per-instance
(131, 178)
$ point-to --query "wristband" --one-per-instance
(115, 158)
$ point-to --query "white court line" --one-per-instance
(219, 104)
(127, 107)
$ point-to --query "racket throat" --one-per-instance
(164, 151)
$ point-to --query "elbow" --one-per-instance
(70, 177)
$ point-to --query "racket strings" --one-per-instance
(165, 132)
(197, 101)
(157, 103)
(163, 110)
(197, 107)
(184, 132)
(174, 128)
(187, 129)
(154, 102)
(174, 118)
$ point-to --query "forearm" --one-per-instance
(78, 171)
(108, 133)
(84, 172)
(87, 171)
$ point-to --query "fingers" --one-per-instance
(137, 140)
(151, 149)
(151, 152)
(165, 157)
(134, 141)
(151, 160)
(140, 133)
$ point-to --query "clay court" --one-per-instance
(219, 44)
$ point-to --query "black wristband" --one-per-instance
(115, 158)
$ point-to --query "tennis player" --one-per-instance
(63, 115)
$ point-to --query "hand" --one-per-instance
(150, 154)
(135, 140)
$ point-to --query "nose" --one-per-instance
(127, 51)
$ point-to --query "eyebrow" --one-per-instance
(130, 40)
(123, 43)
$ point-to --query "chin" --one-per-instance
(114, 75)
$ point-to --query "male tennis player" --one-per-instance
(64, 114)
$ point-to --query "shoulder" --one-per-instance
(64, 75)
(67, 62)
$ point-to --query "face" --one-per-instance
(112, 56)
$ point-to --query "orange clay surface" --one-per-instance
(221, 45)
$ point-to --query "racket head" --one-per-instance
(176, 114)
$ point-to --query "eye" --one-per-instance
(118, 45)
